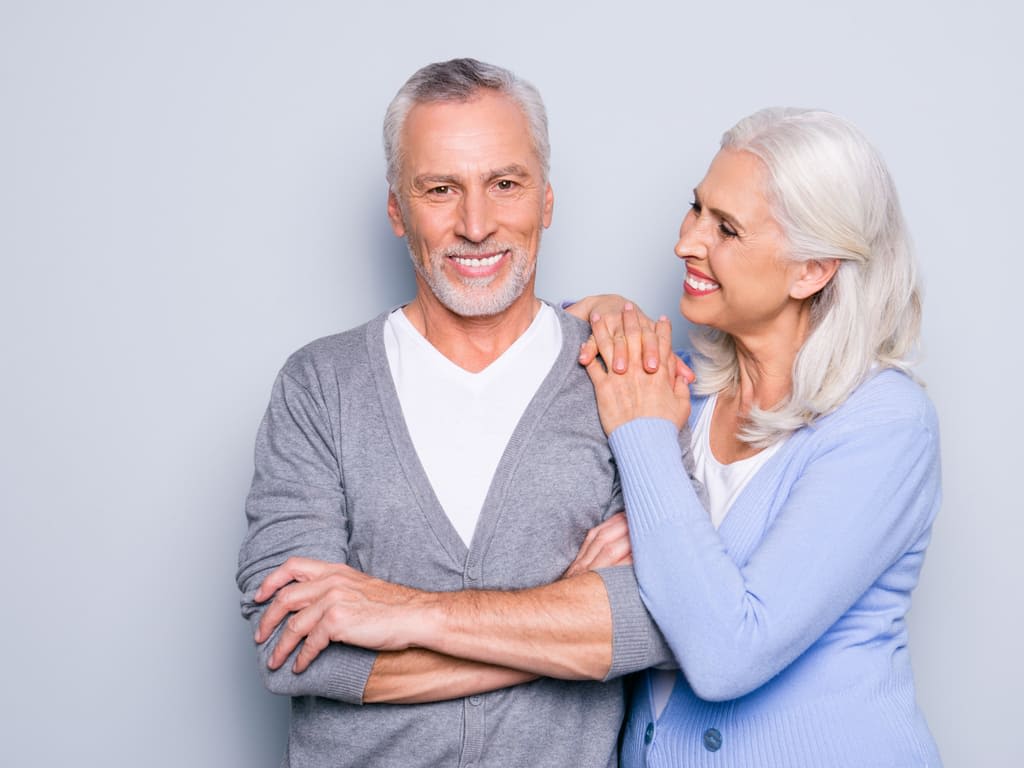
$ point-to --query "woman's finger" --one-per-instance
(611, 328)
(588, 351)
(603, 338)
(684, 372)
(663, 334)
(620, 358)
(632, 334)
(650, 348)
(596, 372)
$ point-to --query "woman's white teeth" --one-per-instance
(484, 262)
(699, 285)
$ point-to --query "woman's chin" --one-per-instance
(687, 310)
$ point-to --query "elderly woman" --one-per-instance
(785, 603)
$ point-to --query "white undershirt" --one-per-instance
(460, 422)
(724, 484)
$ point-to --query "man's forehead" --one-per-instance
(490, 129)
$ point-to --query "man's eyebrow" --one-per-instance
(442, 179)
(433, 180)
(509, 170)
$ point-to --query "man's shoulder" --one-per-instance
(335, 353)
(576, 331)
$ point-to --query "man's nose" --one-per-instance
(476, 220)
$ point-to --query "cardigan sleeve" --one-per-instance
(296, 507)
(864, 498)
(637, 641)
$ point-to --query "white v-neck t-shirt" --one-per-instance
(724, 484)
(460, 422)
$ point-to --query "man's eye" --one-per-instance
(506, 184)
(441, 190)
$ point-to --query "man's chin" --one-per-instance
(478, 306)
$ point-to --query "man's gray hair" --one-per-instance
(834, 199)
(462, 80)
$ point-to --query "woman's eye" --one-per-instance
(726, 230)
(695, 207)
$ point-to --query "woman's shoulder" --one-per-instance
(889, 395)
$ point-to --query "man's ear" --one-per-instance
(549, 206)
(395, 214)
(813, 276)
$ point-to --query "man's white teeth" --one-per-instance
(485, 262)
(699, 285)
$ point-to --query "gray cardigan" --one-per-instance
(337, 479)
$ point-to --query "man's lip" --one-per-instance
(477, 256)
(477, 268)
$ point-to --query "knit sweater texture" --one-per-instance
(788, 623)
(337, 479)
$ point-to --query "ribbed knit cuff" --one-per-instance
(636, 642)
(654, 481)
(348, 674)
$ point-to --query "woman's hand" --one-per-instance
(608, 308)
(606, 544)
(636, 393)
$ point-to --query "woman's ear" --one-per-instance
(813, 276)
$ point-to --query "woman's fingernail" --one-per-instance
(628, 305)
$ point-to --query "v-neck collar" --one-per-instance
(742, 528)
(490, 513)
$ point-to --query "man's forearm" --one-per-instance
(559, 630)
(416, 676)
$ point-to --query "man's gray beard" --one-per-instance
(468, 296)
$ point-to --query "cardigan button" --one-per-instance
(649, 733)
(712, 740)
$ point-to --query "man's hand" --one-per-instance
(605, 545)
(332, 602)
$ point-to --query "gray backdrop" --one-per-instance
(189, 191)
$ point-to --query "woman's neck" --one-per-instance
(765, 360)
(764, 379)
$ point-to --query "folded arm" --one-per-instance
(590, 624)
(296, 507)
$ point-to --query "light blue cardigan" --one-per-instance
(788, 622)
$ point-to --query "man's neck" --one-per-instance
(472, 343)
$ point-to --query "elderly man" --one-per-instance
(451, 446)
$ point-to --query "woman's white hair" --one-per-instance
(831, 193)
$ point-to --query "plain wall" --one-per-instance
(189, 191)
